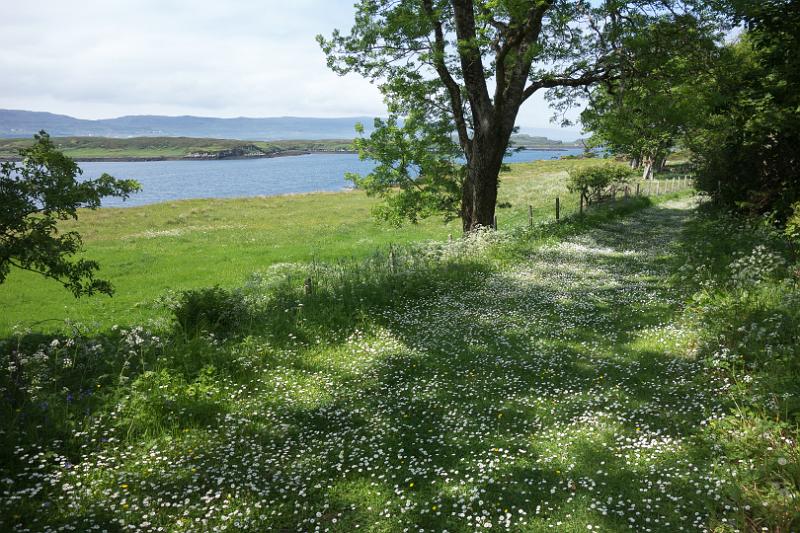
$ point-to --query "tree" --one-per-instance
(455, 73)
(35, 194)
(747, 150)
(643, 114)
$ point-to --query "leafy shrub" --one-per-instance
(745, 315)
(793, 224)
(595, 182)
(164, 399)
(211, 309)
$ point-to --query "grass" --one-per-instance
(634, 369)
(531, 380)
(197, 243)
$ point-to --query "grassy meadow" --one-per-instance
(175, 246)
(634, 369)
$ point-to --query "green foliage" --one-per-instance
(213, 310)
(642, 117)
(793, 224)
(459, 72)
(161, 401)
(595, 182)
(747, 150)
(416, 172)
(38, 193)
(745, 310)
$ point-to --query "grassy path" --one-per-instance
(552, 396)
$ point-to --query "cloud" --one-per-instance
(96, 59)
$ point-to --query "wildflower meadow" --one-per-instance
(635, 369)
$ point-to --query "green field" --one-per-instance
(583, 376)
(197, 243)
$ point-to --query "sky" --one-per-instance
(257, 58)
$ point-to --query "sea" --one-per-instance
(164, 181)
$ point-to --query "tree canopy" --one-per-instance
(457, 72)
(36, 193)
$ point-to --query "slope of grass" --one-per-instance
(196, 243)
(544, 379)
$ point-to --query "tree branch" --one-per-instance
(550, 83)
(453, 89)
(471, 62)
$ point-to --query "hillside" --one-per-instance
(18, 124)
(523, 140)
(153, 148)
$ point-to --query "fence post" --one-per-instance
(581, 211)
(530, 216)
(637, 189)
(309, 288)
(558, 209)
(495, 222)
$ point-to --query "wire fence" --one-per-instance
(570, 204)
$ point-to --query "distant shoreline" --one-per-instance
(285, 153)
(147, 159)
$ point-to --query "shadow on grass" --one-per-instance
(535, 395)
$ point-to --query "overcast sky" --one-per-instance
(257, 58)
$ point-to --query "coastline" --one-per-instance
(145, 159)
(283, 153)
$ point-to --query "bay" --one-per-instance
(164, 181)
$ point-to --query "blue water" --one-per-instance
(178, 180)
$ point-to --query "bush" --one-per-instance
(595, 182)
(213, 309)
(793, 224)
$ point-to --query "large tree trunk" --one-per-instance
(479, 196)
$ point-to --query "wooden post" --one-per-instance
(637, 189)
(308, 287)
(558, 209)
(495, 222)
(581, 203)
(530, 216)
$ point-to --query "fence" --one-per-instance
(390, 268)
(569, 204)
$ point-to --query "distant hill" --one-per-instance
(164, 148)
(23, 124)
(523, 140)
(16, 124)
